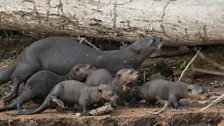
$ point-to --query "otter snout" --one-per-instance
(135, 75)
(114, 98)
(197, 92)
(132, 77)
(204, 96)
(158, 41)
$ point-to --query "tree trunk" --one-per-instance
(179, 22)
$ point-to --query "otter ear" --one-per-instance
(190, 88)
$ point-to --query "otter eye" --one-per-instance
(138, 51)
(202, 92)
(131, 72)
(77, 69)
(118, 75)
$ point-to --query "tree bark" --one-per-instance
(179, 22)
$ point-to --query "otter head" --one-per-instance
(82, 71)
(147, 45)
(126, 76)
(197, 92)
(105, 92)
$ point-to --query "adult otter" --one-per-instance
(172, 91)
(60, 54)
(72, 92)
(40, 84)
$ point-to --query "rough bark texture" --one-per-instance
(179, 22)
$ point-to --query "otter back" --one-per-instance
(172, 91)
(100, 76)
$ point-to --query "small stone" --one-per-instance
(78, 114)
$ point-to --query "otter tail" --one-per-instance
(40, 109)
(5, 73)
(8, 107)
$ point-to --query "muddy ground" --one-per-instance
(170, 68)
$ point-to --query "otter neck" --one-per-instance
(60, 78)
(117, 85)
(70, 76)
(126, 57)
(182, 91)
(92, 95)
(137, 93)
(139, 58)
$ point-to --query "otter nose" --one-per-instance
(160, 38)
(116, 97)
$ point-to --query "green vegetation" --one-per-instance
(183, 65)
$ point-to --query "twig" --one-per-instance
(201, 55)
(212, 103)
(182, 74)
(101, 110)
(144, 77)
(89, 43)
(161, 110)
(207, 71)
(171, 53)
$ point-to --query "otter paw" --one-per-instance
(85, 114)
(133, 105)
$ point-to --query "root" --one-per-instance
(207, 71)
(213, 102)
(201, 55)
(81, 40)
(161, 110)
(182, 51)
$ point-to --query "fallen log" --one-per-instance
(179, 22)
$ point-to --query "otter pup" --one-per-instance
(75, 92)
(60, 54)
(120, 83)
(100, 76)
(122, 80)
(40, 84)
(172, 91)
